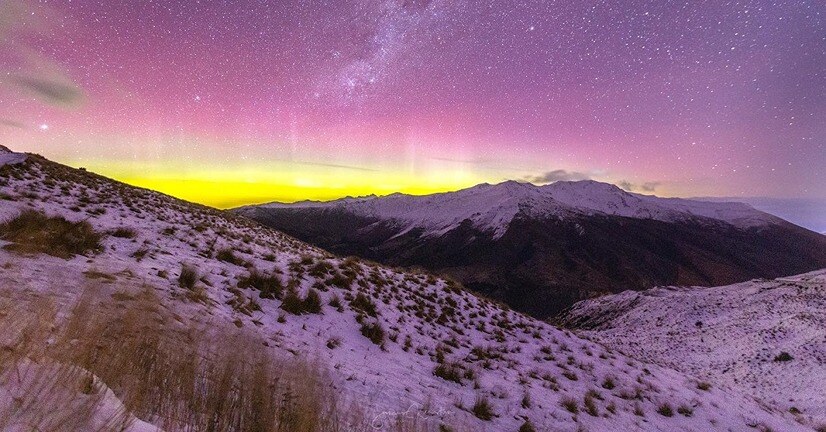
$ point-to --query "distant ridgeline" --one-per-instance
(542, 248)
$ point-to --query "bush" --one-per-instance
(312, 302)
(34, 232)
(188, 277)
(333, 342)
(569, 404)
(482, 408)
(268, 285)
(590, 406)
(527, 427)
(362, 303)
(292, 303)
(295, 305)
(335, 303)
(685, 410)
(704, 386)
(124, 232)
(783, 357)
(608, 383)
(372, 330)
(449, 372)
(227, 255)
(665, 410)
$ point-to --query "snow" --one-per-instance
(532, 357)
(492, 207)
(728, 335)
(9, 157)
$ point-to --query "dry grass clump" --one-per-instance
(268, 285)
(34, 232)
(296, 305)
(215, 378)
(372, 329)
(188, 277)
(482, 408)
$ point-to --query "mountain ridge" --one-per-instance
(509, 199)
(542, 248)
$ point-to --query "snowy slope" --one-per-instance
(424, 318)
(731, 335)
(493, 207)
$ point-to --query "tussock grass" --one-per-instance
(33, 232)
(268, 285)
(214, 378)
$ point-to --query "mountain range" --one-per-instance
(540, 249)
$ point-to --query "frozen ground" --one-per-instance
(733, 335)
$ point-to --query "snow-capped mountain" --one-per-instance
(736, 335)
(541, 248)
(398, 346)
(491, 208)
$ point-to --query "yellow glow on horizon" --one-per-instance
(227, 187)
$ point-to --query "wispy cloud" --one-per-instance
(12, 123)
(27, 69)
(558, 175)
(639, 187)
(49, 90)
(331, 165)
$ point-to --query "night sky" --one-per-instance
(234, 102)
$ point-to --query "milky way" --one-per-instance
(234, 102)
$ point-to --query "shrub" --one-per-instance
(449, 372)
(570, 375)
(373, 330)
(312, 302)
(292, 303)
(665, 410)
(333, 342)
(227, 255)
(526, 400)
(590, 405)
(124, 232)
(608, 383)
(685, 410)
(188, 277)
(268, 285)
(482, 408)
(704, 386)
(527, 427)
(783, 357)
(335, 302)
(295, 305)
(34, 232)
(569, 404)
(362, 303)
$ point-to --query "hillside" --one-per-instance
(764, 337)
(540, 249)
(404, 351)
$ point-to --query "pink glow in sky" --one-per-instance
(318, 99)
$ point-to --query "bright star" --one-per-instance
(44, 127)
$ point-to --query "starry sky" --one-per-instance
(235, 102)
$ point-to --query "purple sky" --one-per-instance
(319, 99)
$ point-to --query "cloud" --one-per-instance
(50, 90)
(558, 175)
(349, 167)
(639, 187)
(12, 123)
(28, 70)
